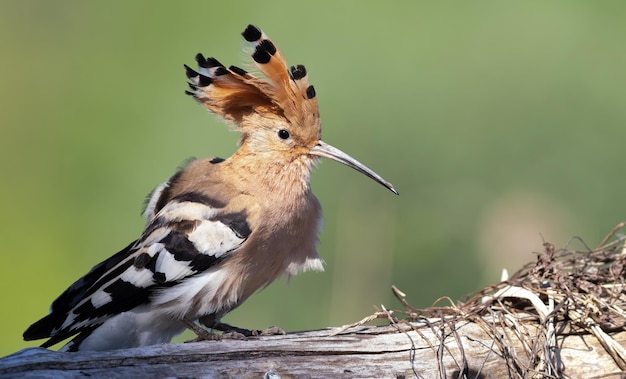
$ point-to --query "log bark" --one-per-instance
(414, 351)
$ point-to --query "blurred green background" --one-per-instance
(500, 123)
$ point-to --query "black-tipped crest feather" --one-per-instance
(252, 33)
(234, 92)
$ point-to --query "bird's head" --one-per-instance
(278, 115)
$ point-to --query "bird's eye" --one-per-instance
(283, 134)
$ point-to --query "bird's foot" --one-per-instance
(206, 337)
(228, 332)
(228, 329)
(233, 336)
(201, 333)
(271, 331)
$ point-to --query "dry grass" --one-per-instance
(563, 292)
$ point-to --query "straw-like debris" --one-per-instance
(564, 292)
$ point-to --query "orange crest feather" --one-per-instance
(234, 93)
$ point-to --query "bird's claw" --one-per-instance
(271, 331)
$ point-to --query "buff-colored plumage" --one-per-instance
(218, 230)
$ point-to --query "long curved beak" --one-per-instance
(322, 149)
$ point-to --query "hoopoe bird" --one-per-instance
(218, 230)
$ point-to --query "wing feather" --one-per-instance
(188, 235)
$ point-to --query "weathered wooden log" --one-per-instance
(404, 350)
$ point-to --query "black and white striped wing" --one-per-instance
(190, 234)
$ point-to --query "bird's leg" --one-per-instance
(228, 331)
(271, 331)
(201, 333)
(210, 321)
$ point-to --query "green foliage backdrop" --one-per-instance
(500, 123)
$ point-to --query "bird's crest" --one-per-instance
(239, 96)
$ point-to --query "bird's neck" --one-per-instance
(273, 176)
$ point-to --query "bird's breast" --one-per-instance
(284, 242)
